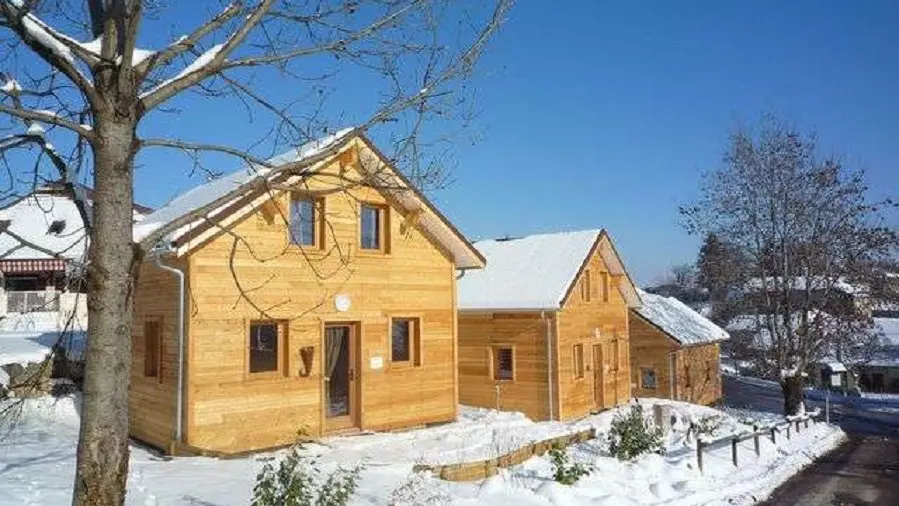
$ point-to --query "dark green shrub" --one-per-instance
(564, 471)
(298, 481)
(632, 434)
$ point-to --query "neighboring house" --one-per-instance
(881, 374)
(543, 328)
(674, 351)
(316, 304)
(43, 246)
(836, 295)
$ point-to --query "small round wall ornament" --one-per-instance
(342, 302)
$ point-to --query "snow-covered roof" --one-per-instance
(222, 187)
(679, 321)
(216, 201)
(890, 329)
(534, 272)
(31, 217)
(800, 283)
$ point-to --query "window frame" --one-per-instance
(494, 363)
(577, 361)
(281, 354)
(157, 363)
(383, 215)
(655, 378)
(586, 288)
(688, 380)
(318, 229)
(615, 354)
(605, 286)
(415, 346)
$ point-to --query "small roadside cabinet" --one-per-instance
(321, 297)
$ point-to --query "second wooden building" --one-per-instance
(543, 329)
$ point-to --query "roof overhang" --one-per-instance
(186, 234)
(613, 262)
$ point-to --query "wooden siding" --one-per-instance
(231, 410)
(525, 332)
(152, 399)
(652, 348)
(596, 322)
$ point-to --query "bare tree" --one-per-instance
(94, 96)
(804, 229)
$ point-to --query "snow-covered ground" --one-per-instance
(37, 464)
(23, 346)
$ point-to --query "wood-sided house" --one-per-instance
(320, 297)
(543, 328)
(674, 351)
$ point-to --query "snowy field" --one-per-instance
(37, 464)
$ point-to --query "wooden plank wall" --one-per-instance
(651, 348)
(232, 411)
(525, 332)
(578, 321)
(152, 400)
(701, 362)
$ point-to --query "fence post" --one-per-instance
(774, 435)
(788, 430)
(733, 447)
(806, 422)
(699, 453)
(797, 426)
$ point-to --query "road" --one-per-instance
(862, 471)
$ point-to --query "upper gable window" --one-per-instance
(605, 287)
(373, 227)
(586, 289)
(304, 218)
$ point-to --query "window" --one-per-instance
(605, 287)
(503, 363)
(405, 340)
(647, 378)
(373, 226)
(585, 286)
(152, 348)
(304, 221)
(687, 379)
(616, 354)
(708, 370)
(56, 227)
(264, 346)
(578, 360)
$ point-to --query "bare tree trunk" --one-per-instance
(102, 468)
(792, 392)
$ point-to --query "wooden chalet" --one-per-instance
(674, 351)
(320, 298)
(543, 329)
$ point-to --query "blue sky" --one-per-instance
(603, 114)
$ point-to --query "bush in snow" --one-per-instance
(707, 424)
(632, 434)
(297, 481)
(565, 471)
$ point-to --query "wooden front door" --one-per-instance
(340, 377)
(599, 381)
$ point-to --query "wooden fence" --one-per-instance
(478, 470)
(758, 432)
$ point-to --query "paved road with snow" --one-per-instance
(854, 419)
(862, 471)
